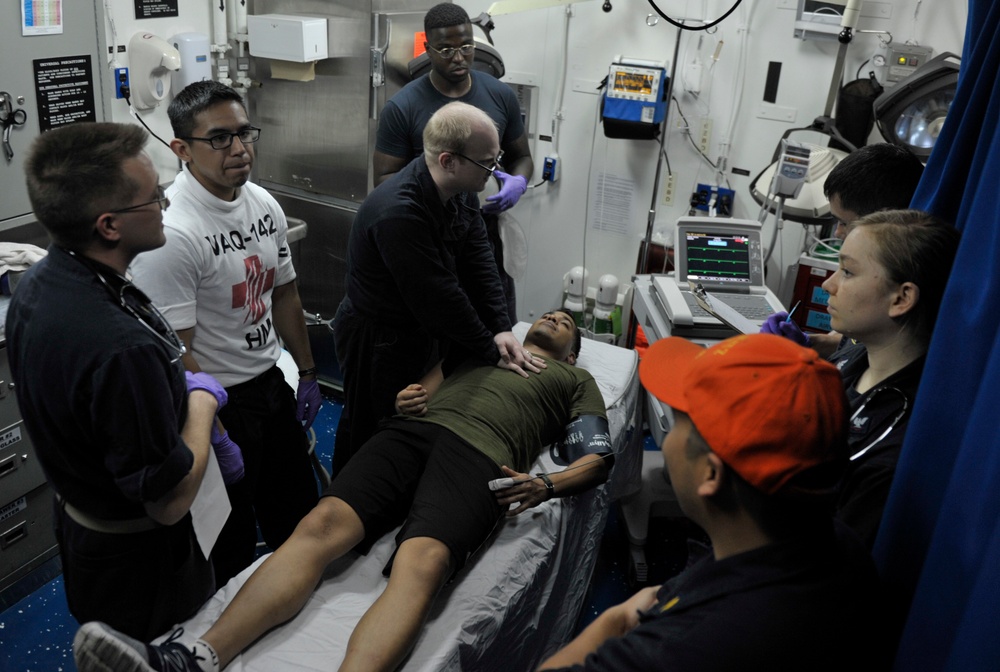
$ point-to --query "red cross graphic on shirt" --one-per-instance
(248, 293)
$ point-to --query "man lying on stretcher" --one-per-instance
(434, 470)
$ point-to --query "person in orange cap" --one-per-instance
(758, 446)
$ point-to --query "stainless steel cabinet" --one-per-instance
(27, 538)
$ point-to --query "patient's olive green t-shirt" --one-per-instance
(510, 418)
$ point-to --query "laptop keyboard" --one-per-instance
(749, 306)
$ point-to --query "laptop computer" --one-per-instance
(725, 256)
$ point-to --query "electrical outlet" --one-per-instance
(704, 138)
(669, 185)
(706, 196)
(121, 79)
(550, 168)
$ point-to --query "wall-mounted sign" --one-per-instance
(154, 9)
(41, 17)
(64, 89)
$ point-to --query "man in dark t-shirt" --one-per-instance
(451, 49)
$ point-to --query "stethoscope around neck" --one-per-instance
(892, 425)
(164, 334)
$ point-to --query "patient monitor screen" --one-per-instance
(713, 257)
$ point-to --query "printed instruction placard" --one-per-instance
(64, 89)
(155, 9)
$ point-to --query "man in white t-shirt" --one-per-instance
(226, 283)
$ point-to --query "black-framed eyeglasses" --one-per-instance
(162, 201)
(448, 53)
(247, 136)
(489, 169)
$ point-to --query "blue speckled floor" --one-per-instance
(36, 633)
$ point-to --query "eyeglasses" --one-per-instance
(448, 53)
(247, 136)
(162, 201)
(489, 169)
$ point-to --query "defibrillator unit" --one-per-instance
(634, 102)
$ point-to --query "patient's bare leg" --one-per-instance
(282, 584)
(387, 631)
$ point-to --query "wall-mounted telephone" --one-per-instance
(668, 295)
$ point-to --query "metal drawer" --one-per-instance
(27, 537)
(9, 413)
(20, 470)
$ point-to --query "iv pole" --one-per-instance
(651, 215)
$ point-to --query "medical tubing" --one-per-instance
(725, 146)
(557, 113)
(600, 457)
(831, 252)
(687, 126)
(113, 60)
(603, 456)
(135, 113)
(774, 234)
(654, 198)
(544, 475)
(586, 202)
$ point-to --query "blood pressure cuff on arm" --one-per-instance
(586, 435)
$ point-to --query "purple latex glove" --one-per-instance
(309, 401)
(776, 324)
(228, 454)
(512, 188)
(203, 381)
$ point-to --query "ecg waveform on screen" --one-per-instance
(718, 257)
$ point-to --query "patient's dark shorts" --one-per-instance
(423, 474)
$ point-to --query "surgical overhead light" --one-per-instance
(913, 112)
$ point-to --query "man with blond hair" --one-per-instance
(420, 276)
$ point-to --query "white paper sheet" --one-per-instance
(211, 506)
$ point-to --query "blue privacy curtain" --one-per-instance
(940, 539)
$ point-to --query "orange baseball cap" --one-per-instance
(772, 410)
